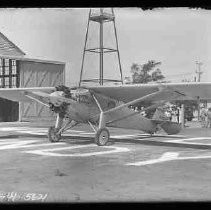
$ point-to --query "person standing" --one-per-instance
(209, 118)
(203, 118)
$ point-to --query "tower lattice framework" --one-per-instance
(101, 17)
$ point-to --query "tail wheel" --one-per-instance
(53, 135)
(102, 137)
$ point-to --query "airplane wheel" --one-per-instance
(52, 134)
(102, 137)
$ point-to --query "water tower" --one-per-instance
(98, 22)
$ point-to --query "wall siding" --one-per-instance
(38, 74)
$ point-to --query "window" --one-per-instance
(6, 70)
(13, 62)
(8, 73)
(6, 62)
(6, 81)
(14, 70)
(6, 66)
(14, 81)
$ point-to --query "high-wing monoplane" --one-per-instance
(108, 106)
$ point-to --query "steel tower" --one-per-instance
(101, 17)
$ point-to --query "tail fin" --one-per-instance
(171, 127)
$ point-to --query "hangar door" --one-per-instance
(38, 74)
(9, 78)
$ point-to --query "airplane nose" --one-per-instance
(54, 98)
(57, 93)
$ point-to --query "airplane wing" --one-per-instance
(23, 94)
(125, 93)
(158, 91)
(43, 95)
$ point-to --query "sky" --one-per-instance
(177, 37)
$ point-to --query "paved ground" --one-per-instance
(134, 167)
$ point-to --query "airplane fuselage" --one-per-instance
(83, 111)
(84, 108)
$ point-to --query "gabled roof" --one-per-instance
(9, 48)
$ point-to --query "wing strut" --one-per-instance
(134, 101)
(102, 120)
(37, 100)
(135, 113)
(97, 102)
(103, 114)
(102, 134)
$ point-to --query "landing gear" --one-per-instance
(102, 137)
(62, 124)
(53, 134)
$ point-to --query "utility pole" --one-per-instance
(198, 71)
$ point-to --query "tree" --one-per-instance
(144, 73)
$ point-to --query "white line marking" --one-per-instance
(9, 129)
(34, 132)
(145, 135)
(24, 144)
(183, 141)
(123, 136)
(33, 129)
(50, 152)
(191, 139)
(163, 135)
(165, 157)
(4, 142)
(168, 156)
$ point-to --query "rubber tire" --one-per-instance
(52, 136)
(99, 137)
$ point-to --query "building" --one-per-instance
(18, 71)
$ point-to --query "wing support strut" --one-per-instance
(102, 135)
(144, 109)
(37, 100)
(97, 102)
(134, 101)
(135, 113)
(102, 120)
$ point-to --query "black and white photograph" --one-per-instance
(105, 105)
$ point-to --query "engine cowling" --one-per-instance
(54, 98)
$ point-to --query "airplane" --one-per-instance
(108, 106)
